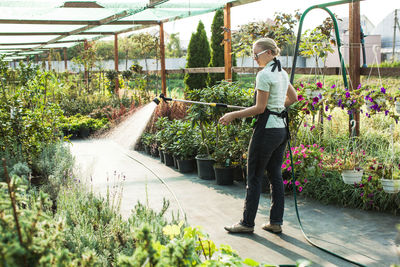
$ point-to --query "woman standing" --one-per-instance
(273, 92)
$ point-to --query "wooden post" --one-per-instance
(162, 59)
(354, 53)
(227, 42)
(85, 47)
(65, 59)
(116, 62)
(49, 61)
(37, 59)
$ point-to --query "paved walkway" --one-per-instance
(366, 237)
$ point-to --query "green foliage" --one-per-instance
(28, 119)
(217, 48)
(198, 56)
(82, 126)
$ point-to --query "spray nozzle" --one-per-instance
(158, 99)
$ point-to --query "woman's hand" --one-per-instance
(227, 118)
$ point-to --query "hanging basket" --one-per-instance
(391, 186)
(314, 93)
(352, 176)
(397, 105)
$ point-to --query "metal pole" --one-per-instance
(162, 59)
(394, 35)
(116, 62)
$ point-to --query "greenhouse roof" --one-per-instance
(32, 26)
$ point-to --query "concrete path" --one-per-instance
(366, 237)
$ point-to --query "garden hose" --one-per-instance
(158, 99)
(161, 180)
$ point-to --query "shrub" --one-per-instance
(217, 49)
(198, 55)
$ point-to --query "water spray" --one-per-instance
(158, 99)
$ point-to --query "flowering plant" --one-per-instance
(345, 159)
(344, 98)
(376, 100)
(306, 160)
(386, 170)
(310, 98)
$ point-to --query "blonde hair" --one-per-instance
(267, 44)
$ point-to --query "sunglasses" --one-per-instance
(255, 56)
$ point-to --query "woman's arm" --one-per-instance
(291, 96)
(258, 108)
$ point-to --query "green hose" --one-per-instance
(324, 7)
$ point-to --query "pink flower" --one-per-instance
(289, 168)
(300, 188)
(302, 146)
(285, 182)
(297, 162)
(287, 161)
(304, 156)
(283, 166)
(314, 145)
(312, 127)
(297, 183)
(296, 152)
(305, 181)
(319, 84)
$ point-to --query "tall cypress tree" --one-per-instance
(217, 50)
(198, 55)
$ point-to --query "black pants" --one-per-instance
(266, 150)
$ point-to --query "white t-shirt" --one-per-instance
(276, 83)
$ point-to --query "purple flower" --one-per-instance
(326, 108)
(302, 86)
(383, 90)
(319, 84)
(347, 94)
(300, 98)
(312, 127)
(329, 117)
(333, 86)
(370, 195)
(386, 112)
(361, 194)
(369, 178)
(359, 86)
(339, 102)
(315, 100)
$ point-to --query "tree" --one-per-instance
(174, 46)
(281, 29)
(146, 46)
(217, 49)
(198, 56)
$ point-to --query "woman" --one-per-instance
(268, 143)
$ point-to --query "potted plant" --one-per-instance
(314, 90)
(376, 100)
(391, 179)
(186, 149)
(223, 168)
(146, 141)
(388, 174)
(200, 117)
(348, 162)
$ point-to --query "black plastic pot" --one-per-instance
(154, 152)
(185, 166)
(161, 155)
(147, 149)
(175, 162)
(168, 159)
(84, 132)
(238, 174)
(205, 168)
(224, 176)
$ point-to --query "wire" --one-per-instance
(161, 180)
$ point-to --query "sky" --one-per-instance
(374, 10)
